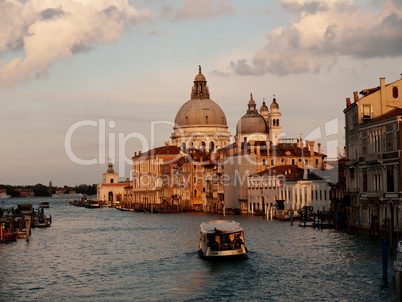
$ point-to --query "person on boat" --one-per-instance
(237, 241)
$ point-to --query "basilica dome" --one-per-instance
(200, 122)
(200, 110)
(252, 121)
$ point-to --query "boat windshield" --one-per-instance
(224, 242)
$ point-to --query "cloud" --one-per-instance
(322, 32)
(49, 31)
(197, 9)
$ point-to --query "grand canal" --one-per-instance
(109, 255)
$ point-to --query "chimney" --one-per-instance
(311, 148)
(307, 144)
(348, 103)
(135, 154)
(355, 95)
(319, 148)
(382, 96)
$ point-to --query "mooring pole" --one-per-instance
(360, 227)
(385, 260)
(336, 222)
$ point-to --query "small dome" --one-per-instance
(274, 104)
(252, 121)
(263, 107)
(199, 78)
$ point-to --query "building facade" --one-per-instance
(373, 159)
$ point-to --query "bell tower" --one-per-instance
(275, 125)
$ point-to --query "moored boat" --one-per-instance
(221, 239)
(44, 204)
(94, 204)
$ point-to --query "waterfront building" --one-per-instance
(373, 145)
(26, 193)
(201, 170)
(147, 175)
(289, 185)
(241, 160)
(111, 191)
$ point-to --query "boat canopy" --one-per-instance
(220, 226)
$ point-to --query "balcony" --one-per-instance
(372, 159)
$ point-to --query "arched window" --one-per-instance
(293, 161)
(203, 145)
(272, 162)
(206, 119)
(211, 146)
(263, 162)
(195, 193)
(277, 122)
(274, 121)
(395, 93)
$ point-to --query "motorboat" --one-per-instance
(221, 239)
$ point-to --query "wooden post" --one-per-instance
(384, 260)
(27, 230)
(313, 220)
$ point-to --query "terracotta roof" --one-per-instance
(393, 112)
(291, 172)
(165, 150)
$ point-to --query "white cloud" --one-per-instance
(322, 32)
(197, 9)
(51, 30)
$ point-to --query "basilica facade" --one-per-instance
(203, 169)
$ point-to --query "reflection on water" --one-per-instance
(108, 255)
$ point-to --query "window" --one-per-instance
(395, 93)
(366, 111)
(211, 146)
(277, 122)
(272, 162)
(195, 193)
(293, 161)
(263, 162)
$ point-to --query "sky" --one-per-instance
(87, 81)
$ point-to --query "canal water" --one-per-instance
(110, 255)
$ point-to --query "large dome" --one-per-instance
(200, 112)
